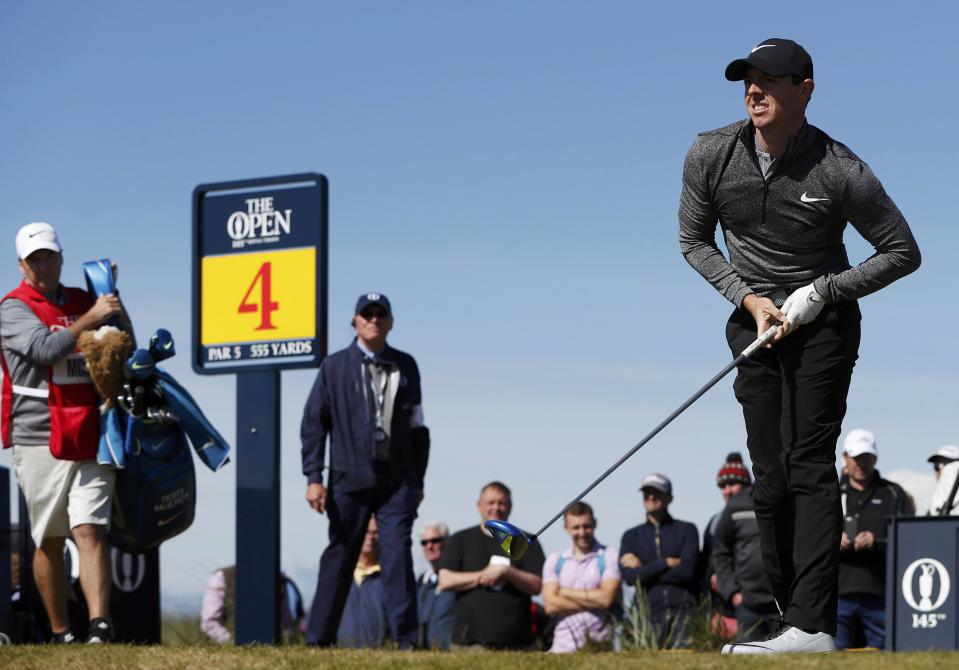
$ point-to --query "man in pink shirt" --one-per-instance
(581, 584)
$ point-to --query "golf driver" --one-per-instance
(514, 542)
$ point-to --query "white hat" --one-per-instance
(859, 442)
(657, 481)
(35, 236)
(949, 452)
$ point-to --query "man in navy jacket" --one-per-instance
(367, 400)
(661, 556)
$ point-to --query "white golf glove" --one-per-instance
(803, 306)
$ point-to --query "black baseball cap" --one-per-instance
(368, 299)
(776, 57)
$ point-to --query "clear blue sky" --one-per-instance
(508, 173)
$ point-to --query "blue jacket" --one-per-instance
(339, 406)
(364, 622)
(665, 587)
(436, 613)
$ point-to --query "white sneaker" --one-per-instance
(789, 640)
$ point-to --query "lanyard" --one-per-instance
(379, 394)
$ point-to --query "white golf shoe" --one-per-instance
(789, 640)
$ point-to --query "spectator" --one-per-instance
(367, 399)
(435, 608)
(945, 499)
(365, 620)
(218, 613)
(731, 479)
(581, 584)
(492, 592)
(867, 500)
(51, 419)
(738, 566)
(660, 556)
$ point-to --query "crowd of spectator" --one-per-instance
(472, 596)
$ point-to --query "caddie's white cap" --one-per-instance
(859, 442)
(949, 452)
(35, 236)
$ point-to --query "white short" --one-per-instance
(62, 494)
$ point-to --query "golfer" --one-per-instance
(783, 192)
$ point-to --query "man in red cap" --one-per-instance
(736, 559)
(783, 192)
(730, 479)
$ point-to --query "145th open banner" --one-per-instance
(259, 274)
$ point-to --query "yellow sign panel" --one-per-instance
(256, 297)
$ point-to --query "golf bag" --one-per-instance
(144, 434)
(155, 493)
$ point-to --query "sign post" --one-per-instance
(259, 306)
(922, 571)
(6, 553)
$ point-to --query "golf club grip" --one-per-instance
(747, 352)
(760, 341)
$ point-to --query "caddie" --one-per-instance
(783, 191)
(50, 417)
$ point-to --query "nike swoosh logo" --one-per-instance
(163, 522)
(806, 198)
(36, 233)
(140, 366)
(168, 345)
(761, 46)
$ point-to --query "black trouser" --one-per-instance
(794, 399)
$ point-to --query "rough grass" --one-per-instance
(209, 657)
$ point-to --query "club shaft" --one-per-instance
(747, 352)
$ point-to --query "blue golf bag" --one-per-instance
(145, 434)
(155, 492)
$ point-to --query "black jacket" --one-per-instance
(864, 572)
(736, 558)
(339, 406)
(665, 587)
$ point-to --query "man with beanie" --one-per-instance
(736, 558)
(783, 193)
(367, 400)
(730, 479)
(867, 501)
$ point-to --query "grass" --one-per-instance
(210, 657)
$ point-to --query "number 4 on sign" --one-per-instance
(266, 306)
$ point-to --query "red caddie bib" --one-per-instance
(71, 395)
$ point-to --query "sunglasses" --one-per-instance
(434, 540)
(370, 314)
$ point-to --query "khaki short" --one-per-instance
(62, 494)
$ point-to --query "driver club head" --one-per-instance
(161, 345)
(140, 365)
(510, 538)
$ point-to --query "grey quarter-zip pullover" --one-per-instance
(785, 230)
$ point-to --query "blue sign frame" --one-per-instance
(221, 227)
